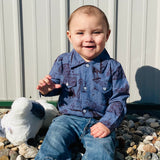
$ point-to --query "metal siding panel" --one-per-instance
(43, 29)
(137, 47)
(151, 32)
(124, 35)
(158, 36)
(30, 47)
(17, 49)
(109, 8)
(138, 42)
(10, 50)
(44, 26)
(3, 84)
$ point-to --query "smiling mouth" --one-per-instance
(90, 47)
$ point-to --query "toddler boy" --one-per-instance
(93, 90)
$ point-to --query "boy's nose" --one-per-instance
(88, 38)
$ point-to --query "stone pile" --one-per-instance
(138, 138)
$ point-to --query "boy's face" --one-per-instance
(88, 35)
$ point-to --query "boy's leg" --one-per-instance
(99, 148)
(59, 136)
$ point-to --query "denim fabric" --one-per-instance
(96, 89)
(66, 130)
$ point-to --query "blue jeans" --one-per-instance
(66, 130)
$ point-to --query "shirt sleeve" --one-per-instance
(55, 73)
(116, 108)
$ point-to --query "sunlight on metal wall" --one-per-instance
(33, 34)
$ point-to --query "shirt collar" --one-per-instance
(75, 59)
(99, 62)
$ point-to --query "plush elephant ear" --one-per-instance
(38, 110)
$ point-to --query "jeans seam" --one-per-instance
(85, 128)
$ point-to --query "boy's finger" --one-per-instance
(48, 76)
(47, 81)
(57, 86)
(103, 135)
(96, 134)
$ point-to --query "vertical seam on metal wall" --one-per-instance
(68, 14)
(116, 29)
(22, 46)
(3, 50)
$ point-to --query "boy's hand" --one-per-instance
(46, 85)
(99, 130)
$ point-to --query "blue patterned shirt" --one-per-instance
(97, 89)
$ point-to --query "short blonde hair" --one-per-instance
(89, 10)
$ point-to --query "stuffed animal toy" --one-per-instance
(25, 119)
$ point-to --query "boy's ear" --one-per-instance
(69, 35)
(107, 35)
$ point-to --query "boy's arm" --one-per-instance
(50, 84)
(116, 108)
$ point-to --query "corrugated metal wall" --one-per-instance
(33, 34)
(138, 47)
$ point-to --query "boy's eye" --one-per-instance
(96, 32)
(79, 32)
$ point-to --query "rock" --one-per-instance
(130, 151)
(146, 130)
(149, 148)
(146, 116)
(157, 145)
(139, 133)
(15, 149)
(128, 158)
(154, 157)
(119, 156)
(131, 124)
(154, 124)
(150, 120)
(27, 151)
(2, 139)
(20, 157)
(13, 155)
(149, 138)
(127, 136)
(136, 138)
(4, 157)
(1, 145)
(132, 144)
(9, 146)
(140, 147)
(147, 156)
(4, 152)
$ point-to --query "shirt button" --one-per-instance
(104, 88)
(85, 88)
(87, 65)
(84, 111)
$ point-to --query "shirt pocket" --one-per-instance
(69, 86)
(70, 82)
(103, 92)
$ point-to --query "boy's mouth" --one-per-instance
(89, 47)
